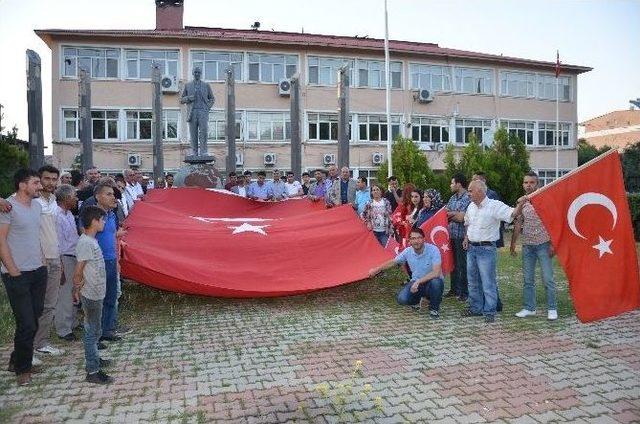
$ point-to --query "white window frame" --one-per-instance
(550, 126)
(544, 80)
(527, 78)
(485, 126)
(447, 74)
(366, 64)
(315, 138)
(118, 58)
(63, 124)
(220, 125)
(458, 80)
(418, 121)
(285, 65)
(138, 51)
(547, 175)
(515, 125)
(241, 63)
(334, 70)
(286, 119)
(380, 120)
(107, 120)
(138, 124)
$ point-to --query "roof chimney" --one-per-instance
(169, 14)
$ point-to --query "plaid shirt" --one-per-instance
(458, 203)
(533, 232)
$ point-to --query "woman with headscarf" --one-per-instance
(432, 203)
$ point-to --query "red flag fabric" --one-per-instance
(436, 231)
(392, 246)
(212, 243)
(587, 216)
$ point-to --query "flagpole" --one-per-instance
(557, 114)
(387, 89)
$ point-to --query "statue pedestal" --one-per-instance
(198, 174)
(196, 159)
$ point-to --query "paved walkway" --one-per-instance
(295, 359)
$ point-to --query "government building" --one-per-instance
(438, 96)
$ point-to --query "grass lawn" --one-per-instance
(144, 306)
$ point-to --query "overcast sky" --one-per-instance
(602, 34)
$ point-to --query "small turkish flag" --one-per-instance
(436, 232)
(587, 216)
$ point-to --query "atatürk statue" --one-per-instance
(199, 99)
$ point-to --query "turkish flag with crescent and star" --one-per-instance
(587, 216)
(436, 232)
(216, 243)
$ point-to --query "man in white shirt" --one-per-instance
(294, 188)
(133, 190)
(482, 221)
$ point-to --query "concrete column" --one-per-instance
(230, 132)
(34, 106)
(343, 117)
(296, 144)
(156, 127)
(84, 118)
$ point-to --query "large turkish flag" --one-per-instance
(436, 232)
(218, 244)
(587, 216)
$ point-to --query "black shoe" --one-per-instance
(69, 337)
(106, 363)
(468, 313)
(434, 315)
(99, 378)
(489, 318)
(113, 338)
(101, 346)
(450, 293)
(122, 330)
(11, 367)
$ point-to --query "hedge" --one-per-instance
(634, 206)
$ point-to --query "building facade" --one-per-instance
(468, 92)
(614, 129)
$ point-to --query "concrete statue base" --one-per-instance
(203, 175)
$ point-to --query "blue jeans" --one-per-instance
(110, 302)
(432, 290)
(92, 332)
(382, 237)
(530, 254)
(481, 274)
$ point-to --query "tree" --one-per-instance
(631, 167)
(587, 151)
(410, 165)
(12, 158)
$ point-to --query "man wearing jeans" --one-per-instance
(456, 208)
(536, 246)
(482, 220)
(426, 273)
(23, 272)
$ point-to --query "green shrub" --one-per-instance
(12, 158)
(634, 206)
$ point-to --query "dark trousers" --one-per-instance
(432, 290)
(26, 297)
(459, 283)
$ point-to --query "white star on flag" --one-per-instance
(603, 246)
(444, 247)
(244, 228)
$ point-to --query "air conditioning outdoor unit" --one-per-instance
(169, 84)
(377, 158)
(269, 158)
(424, 96)
(329, 159)
(284, 87)
(239, 159)
(134, 159)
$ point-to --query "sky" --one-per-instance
(602, 34)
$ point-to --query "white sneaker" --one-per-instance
(35, 361)
(525, 313)
(552, 315)
(50, 350)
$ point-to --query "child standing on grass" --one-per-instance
(89, 287)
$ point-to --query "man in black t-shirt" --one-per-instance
(394, 194)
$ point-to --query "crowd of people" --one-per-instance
(59, 247)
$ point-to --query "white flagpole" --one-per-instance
(387, 88)
(557, 115)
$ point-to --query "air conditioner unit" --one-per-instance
(329, 159)
(239, 159)
(284, 87)
(425, 146)
(424, 96)
(269, 158)
(377, 158)
(134, 159)
(169, 84)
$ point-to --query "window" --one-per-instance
(104, 124)
(324, 70)
(271, 67)
(521, 129)
(371, 74)
(269, 126)
(218, 125)
(215, 64)
(139, 125)
(370, 174)
(545, 176)
(324, 126)
(464, 127)
(430, 130)
(474, 81)
(374, 127)
(100, 62)
(430, 77)
(70, 124)
(139, 63)
(170, 119)
(517, 84)
(547, 87)
(547, 133)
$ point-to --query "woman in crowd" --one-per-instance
(377, 215)
(432, 203)
(416, 207)
(399, 216)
